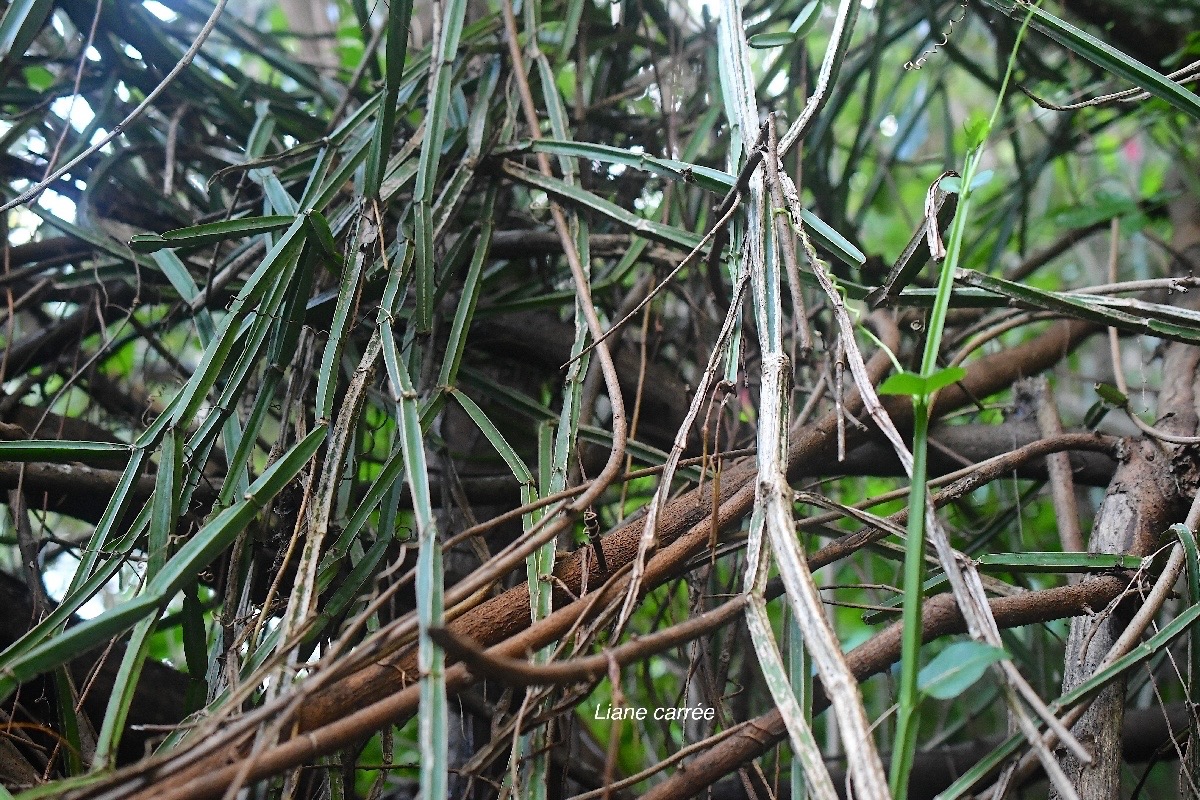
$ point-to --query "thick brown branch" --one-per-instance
(519, 672)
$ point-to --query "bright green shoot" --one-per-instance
(923, 388)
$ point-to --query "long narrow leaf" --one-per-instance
(63, 451)
(431, 154)
(431, 657)
(209, 233)
(395, 50)
(1081, 306)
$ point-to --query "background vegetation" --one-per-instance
(396, 396)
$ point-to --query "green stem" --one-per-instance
(907, 716)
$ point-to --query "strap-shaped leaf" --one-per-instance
(1084, 307)
(1056, 562)
(59, 650)
(277, 267)
(515, 463)
(666, 234)
(395, 50)
(707, 178)
(713, 180)
(57, 451)
(209, 233)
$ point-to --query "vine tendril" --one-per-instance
(946, 34)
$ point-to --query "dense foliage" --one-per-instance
(344, 342)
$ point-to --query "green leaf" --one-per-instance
(826, 236)
(120, 699)
(1103, 207)
(395, 50)
(57, 451)
(943, 378)
(69, 719)
(1187, 540)
(1175, 323)
(801, 26)
(806, 19)
(437, 123)
(903, 383)
(910, 383)
(209, 233)
(657, 231)
(515, 464)
(713, 180)
(831, 240)
(465, 311)
(977, 128)
(277, 267)
(38, 78)
(319, 226)
(1112, 395)
(59, 650)
(707, 178)
(1055, 562)
(762, 41)
(164, 503)
(1143, 651)
(179, 571)
(181, 280)
(956, 668)
(1096, 414)
(430, 581)
(210, 540)
(347, 298)
(195, 644)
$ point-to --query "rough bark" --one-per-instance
(1139, 505)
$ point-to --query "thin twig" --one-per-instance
(1058, 468)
